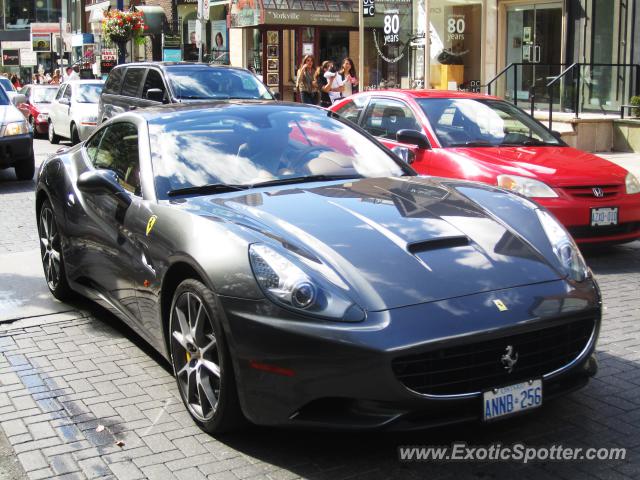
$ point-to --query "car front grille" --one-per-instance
(477, 366)
(609, 230)
(586, 191)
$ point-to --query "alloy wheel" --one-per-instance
(50, 247)
(196, 356)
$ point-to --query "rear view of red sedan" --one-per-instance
(36, 108)
(482, 138)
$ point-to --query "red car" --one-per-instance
(36, 108)
(482, 138)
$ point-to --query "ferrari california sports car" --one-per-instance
(295, 272)
(482, 138)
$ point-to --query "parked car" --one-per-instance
(16, 140)
(36, 106)
(140, 85)
(476, 137)
(74, 110)
(301, 282)
(8, 87)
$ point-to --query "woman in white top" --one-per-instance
(348, 77)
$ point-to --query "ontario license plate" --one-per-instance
(601, 217)
(504, 401)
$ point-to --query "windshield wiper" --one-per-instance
(309, 178)
(208, 188)
(527, 143)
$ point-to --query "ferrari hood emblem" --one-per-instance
(500, 305)
(151, 223)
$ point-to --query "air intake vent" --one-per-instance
(437, 244)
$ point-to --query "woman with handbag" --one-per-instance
(305, 81)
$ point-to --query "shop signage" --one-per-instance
(456, 26)
(302, 17)
(28, 58)
(109, 55)
(51, 27)
(16, 45)
(391, 27)
(41, 42)
(10, 57)
(171, 40)
(369, 7)
(245, 13)
(171, 55)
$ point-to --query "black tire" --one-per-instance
(51, 253)
(75, 136)
(53, 138)
(197, 342)
(25, 168)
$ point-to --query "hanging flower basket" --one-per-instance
(120, 26)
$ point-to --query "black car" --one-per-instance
(295, 272)
(140, 85)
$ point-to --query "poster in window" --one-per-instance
(273, 79)
(11, 57)
(219, 42)
(272, 38)
(272, 64)
(41, 42)
(272, 51)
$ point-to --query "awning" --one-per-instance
(154, 18)
(96, 11)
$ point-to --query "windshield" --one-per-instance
(88, 92)
(43, 95)
(461, 122)
(199, 83)
(6, 84)
(248, 144)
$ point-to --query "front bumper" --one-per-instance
(299, 372)
(575, 215)
(15, 149)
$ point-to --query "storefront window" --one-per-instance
(456, 44)
(20, 14)
(394, 45)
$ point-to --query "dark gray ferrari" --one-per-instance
(295, 272)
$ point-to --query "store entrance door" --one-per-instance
(334, 46)
(534, 38)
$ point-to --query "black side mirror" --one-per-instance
(103, 182)
(413, 137)
(155, 95)
(556, 134)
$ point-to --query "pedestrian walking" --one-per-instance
(349, 77)
(16, 82)
(56, 79)
(335, 93)
(305, 83)
(324, 83)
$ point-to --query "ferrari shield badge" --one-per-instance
(500, 305)
(151, 223)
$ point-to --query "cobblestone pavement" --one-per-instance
(62, 381)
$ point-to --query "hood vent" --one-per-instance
(437, 244)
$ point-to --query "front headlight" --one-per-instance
(15, 128)
(526, 186)
(632, 183)
(564, 247)
(289, 285)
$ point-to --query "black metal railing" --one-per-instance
(576, 87)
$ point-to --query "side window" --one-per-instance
(91, 147)
(67, 92)
(112, 85)
(132, 80)
(118, 151)
(385, 117)
(60, 92)
(351, 110)
(153, 80)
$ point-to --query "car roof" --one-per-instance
(163, 65)
(150, 113)
(429, 94)
(83, 81)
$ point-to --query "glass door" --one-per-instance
(534, 40)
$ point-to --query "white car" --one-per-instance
(74, 111)
(16, 139)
